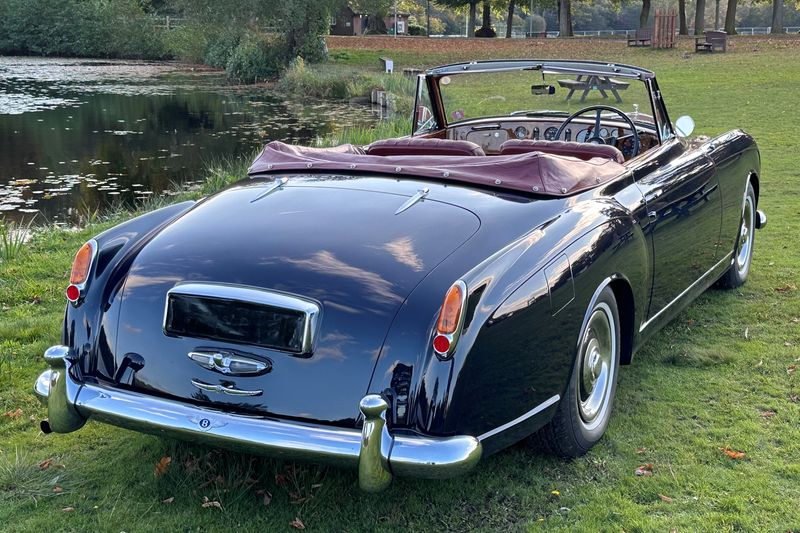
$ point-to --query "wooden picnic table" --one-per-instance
(589, 82)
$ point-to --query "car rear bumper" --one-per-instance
(376, 452)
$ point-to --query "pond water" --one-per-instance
(77, 136)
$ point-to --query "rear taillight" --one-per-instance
(451, 319)
(81, 267)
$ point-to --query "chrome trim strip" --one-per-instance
(727, 257)
(421, 194)
(222, 389)
(71, 403)
(243, 293)
(536, 410)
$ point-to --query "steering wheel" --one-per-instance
(595, 136)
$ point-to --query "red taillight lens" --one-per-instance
(73, 293)
(81, 264)
(451, 314)
(441, 343)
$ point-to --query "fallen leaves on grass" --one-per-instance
(297, 524)
(68, 509)
(786, 288)
(640, 451)
(47, 463)
(768, 413)
(665, 499)
(208, 504)
(794, 398)
(16, 413)
(555, 493)
(644, 470)
(733, 454)
(168, 500)
(791, 368)
(57, 489)
(162, 465)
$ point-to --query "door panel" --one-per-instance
(684, 211)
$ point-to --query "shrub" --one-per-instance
(415, 29)
(118, 28)
(188, 42)
(485, 32)
(257, 57)
(221, 48)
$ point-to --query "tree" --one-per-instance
(486, 29)
(428, 18)
(645, 15)
(564, 18)
(510, 20)
(683, 28)
(473, 9)
(730, 17)
(375, 10)
(304, 23)
(777, 16)
(700, 17)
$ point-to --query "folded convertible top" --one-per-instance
(534, 172)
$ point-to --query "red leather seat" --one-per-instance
(424, 146)
(583, 151)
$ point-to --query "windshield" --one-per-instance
(536, 93)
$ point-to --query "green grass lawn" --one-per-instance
(720, 375)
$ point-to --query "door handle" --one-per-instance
(233, 391)
(653, 195)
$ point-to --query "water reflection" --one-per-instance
(83, 135)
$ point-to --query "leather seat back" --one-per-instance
(583, 151)
(424, 146)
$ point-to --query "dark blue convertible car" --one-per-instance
(409, 306)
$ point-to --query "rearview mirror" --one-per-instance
(542, 89)
(684, 126)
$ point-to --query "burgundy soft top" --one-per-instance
(531, 172)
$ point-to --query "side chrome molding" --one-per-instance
(536, 410)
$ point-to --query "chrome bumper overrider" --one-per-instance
(376, 453)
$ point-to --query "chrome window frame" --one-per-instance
(311, 309)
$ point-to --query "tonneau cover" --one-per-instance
(534, 172)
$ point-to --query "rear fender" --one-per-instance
(89, 328)
(449, 396)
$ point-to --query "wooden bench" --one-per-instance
(387, 64)
(642, 37)
(711, 41)
(591, 82)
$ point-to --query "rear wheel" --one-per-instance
(736, 275)
(584, 411)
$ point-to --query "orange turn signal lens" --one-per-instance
(450, 313)
(82, 264)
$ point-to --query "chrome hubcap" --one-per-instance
(745, 237)
(598, 351)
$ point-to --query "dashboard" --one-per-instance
(490, 134)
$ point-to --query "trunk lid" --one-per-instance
(345, 249)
